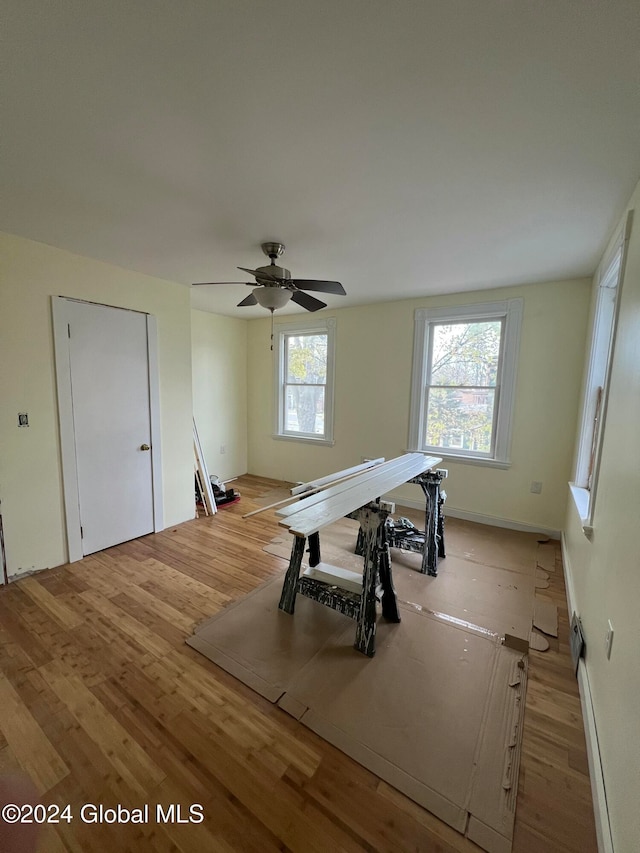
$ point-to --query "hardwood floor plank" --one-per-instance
(124, 753)
(26, 740)
(20, 633)
(104, 703)
(63, 615)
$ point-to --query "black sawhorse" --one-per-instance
(404, 535)
(359, 606)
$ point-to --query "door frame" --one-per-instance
(71, 497)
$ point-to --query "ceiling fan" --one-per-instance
(276, 287)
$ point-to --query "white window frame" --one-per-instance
(510, 312)
(609, 277)
(306, 326)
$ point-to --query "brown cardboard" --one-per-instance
(492, 802)
(545, 616)
(261, 645)
(546, 556)
(452, 814)
(487, 838)
(516, 643)
(492, 597)
(416, 714)
(538, 642)
(481, 543)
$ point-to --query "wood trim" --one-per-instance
(154, 417)
(311, 514)
(67, 435)
(478, 518)
(330, 478)
(598, 793)
(71, 497)
(508, 310)
(203, 473)
(600, 808)
(4, 578)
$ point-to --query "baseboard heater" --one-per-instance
(576, 641)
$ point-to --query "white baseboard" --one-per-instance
(491, 520)
(598, 792)
(24, 573)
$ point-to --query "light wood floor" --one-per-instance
(102, 702)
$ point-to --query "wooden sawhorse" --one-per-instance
(430, 542)
(342, 590)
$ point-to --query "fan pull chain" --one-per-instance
(272, 330)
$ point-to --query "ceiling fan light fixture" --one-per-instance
(272, 298)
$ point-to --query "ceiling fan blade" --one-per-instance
(308, 302)
(320, 286)
(248, 300)
(207, 283)
(261, 274)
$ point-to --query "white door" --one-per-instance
(109, 367)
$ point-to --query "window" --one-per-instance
(304, 380)
(464, 371)
(594, 408)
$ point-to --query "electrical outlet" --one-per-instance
(536, 487)
(608, 640)
(223, 448)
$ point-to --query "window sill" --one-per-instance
(305, 439)
(465, 460)
(581, 498)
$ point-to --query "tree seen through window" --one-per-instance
(462, 384)
(305, 382)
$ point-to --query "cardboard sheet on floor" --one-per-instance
(436, 712)
(259, 644)
(545, 616)
(497, 598)
(492, 546)
(546, 556)
(538, 642)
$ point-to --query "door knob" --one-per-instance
(144, 447)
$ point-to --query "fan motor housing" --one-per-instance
(272, 249)
(272, 271)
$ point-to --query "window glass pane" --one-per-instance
(304, 370)
(306, 359)
(304, 409)
(465, 353)
(460, 418)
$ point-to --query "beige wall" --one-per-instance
(374, 347)
(30, 468)
(605, 572)
(219, 364)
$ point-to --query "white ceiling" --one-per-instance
(402, 148)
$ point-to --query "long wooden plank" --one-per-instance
(310, 520)
(338, 475)
(335, 480)
(205, 480)
(338, 488)
(360, 481)
(352, 483)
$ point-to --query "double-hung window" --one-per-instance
(304, 366)
(464, 370)
(596, 387)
